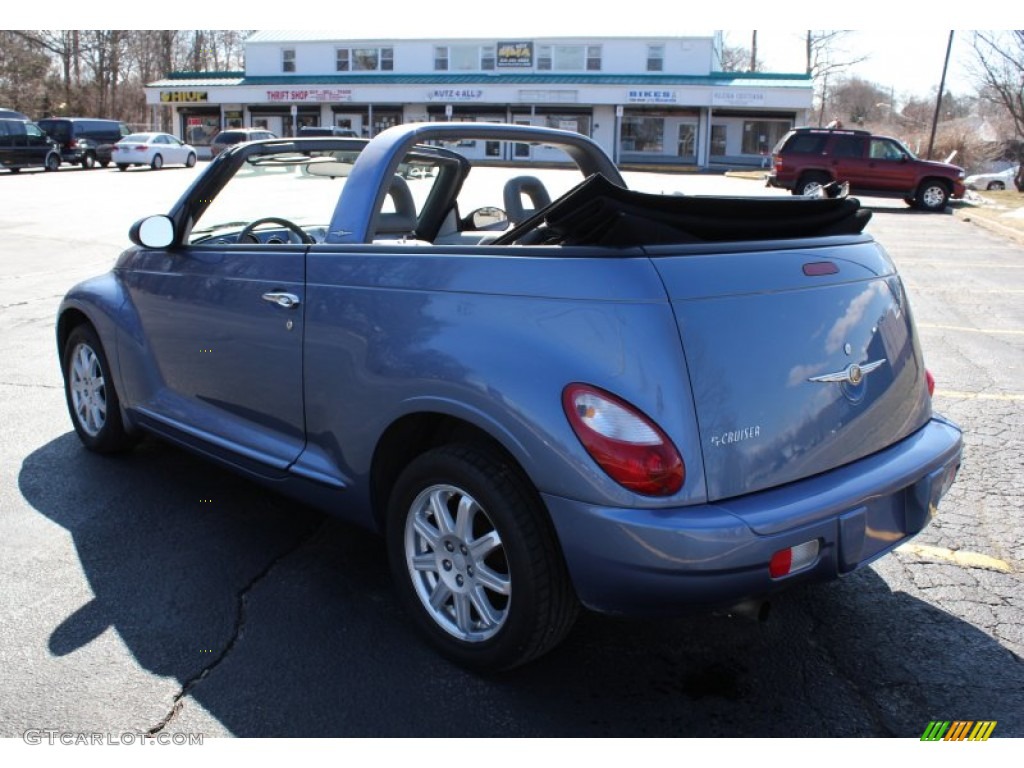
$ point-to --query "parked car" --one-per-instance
(807, 158)
(307, 131)
(642, 403)
(992, 181)
(12, 114)
(23, 144)
(233, 136)
(153, 149)
(85, 141)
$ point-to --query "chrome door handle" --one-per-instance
(286, 300)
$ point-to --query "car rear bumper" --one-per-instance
(658, 561)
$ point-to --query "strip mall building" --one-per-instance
(645, 100)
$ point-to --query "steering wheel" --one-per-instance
(247, 236)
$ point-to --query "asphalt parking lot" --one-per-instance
(156, 593)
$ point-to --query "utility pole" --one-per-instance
(753, 52)
(938, 101)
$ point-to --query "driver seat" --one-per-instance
(524, 186)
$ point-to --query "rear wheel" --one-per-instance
(91, 398)
(104, 163)
(89, 161)
(475, 560)
(158, 163)
(52, 162)
(932, 196)
(811, 184)
(995, 185)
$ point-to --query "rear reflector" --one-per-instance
(817, 268)
(793, 559)
(931, 382)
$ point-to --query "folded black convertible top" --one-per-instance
(598, 212)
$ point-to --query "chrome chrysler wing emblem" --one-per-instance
(852, 374)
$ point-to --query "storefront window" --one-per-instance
(759, 136)
(199, 129)
(576, 123)
(688, 140)
(718, 137)
(643, 134)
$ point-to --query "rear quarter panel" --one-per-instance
(491, 338)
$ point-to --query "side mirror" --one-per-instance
(488, 217)
(152, 232)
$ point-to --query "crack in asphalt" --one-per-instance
(21, 384)
(241, 617)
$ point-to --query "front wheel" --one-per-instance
(91, 398)
(932, 196)
(89, 161)
(475, 560)
(996, 186)
(190, 162)
(157, 163)
(122, 166)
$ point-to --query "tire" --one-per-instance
(92, 401)
(932, 196)
(122, 166)
(52, 162)
(994, 186)
(89, 161)
(810, 183)
(104, 163)
(14, 170)
(190, 162)
(492, 565)
(158, 162)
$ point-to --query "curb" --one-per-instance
(966, 215)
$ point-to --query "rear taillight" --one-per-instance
(931, 382)
(627, 445)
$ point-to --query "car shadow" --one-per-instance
(282, 622)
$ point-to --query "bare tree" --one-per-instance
(826, 59)
(1000, 71)
(739, 58)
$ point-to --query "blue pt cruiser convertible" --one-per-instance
(545, 390)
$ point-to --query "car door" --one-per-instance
(889, 167)
(848, 163)
(175, 151)
(220, 334)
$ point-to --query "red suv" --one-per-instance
(807, 158)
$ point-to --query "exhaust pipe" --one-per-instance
(753, 610)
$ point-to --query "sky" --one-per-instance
(905, 50)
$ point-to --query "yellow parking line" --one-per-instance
(959, 557)
(969, 330)
(973, 264)
(976, 395)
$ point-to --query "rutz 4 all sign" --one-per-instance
(958, 730)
